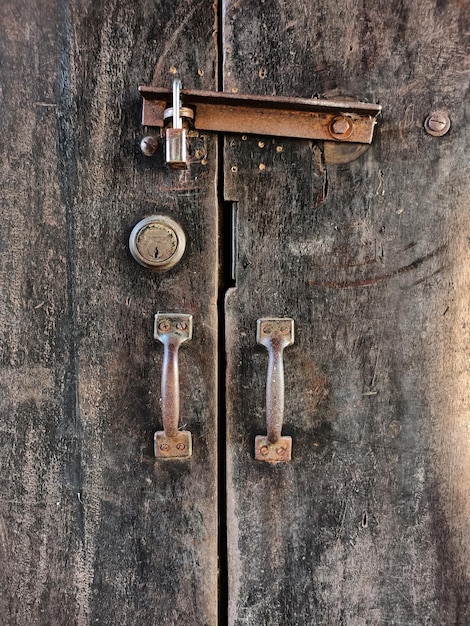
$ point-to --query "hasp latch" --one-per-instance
(304, 118)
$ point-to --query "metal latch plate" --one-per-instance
(265, 115)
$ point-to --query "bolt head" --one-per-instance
(341, 126)
(149, 145)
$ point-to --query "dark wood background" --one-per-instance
(91, 532)
(370, 523)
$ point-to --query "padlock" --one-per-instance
(175, 145)
(175, 148)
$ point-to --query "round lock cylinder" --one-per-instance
(157, 242)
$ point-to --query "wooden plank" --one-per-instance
(92, 530)
(369, 523)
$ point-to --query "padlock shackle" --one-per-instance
(177, 121)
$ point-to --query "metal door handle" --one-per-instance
(275, 334)
(172, 329)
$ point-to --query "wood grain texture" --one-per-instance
(369, 524)
(92, 531)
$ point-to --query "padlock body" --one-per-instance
(176, 155)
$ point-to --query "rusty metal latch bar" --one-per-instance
(264, 115)
(172, 329)
(275, 334)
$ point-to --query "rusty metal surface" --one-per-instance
(172, 330)
(265, 115)
(275, 334)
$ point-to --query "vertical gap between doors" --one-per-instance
(226, 246)
(226, 280)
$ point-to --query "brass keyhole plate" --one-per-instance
(157, 242)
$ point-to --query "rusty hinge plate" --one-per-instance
(266, 115)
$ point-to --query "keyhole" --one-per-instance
(156, 255)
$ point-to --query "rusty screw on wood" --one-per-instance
(149, 145)
(164, 326)
(437, 124)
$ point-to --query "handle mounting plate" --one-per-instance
(275, 328)
(175, 325)
(178, 447)
(276, 452)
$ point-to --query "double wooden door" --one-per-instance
(366, 250)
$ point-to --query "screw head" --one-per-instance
(164, 326)
(181, 326)
(164, 447)
(281, 451)
(267, 330)
(437, 124)
(180, 446)
(149, 145)
(264, 450)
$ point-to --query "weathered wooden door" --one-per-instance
(91, 531)
(369, 522)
